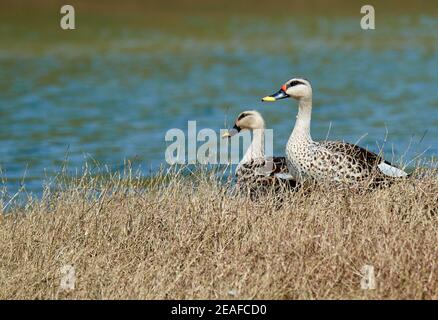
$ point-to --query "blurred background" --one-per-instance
(109, 90)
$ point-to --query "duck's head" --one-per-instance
(249, 120)
(296, 88)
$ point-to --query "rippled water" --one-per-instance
(109, 91)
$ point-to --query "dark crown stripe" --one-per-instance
(295, 82)
(243, 115)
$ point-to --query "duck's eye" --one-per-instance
(294, 83)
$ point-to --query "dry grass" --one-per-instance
(184, 238)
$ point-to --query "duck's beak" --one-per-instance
(235, 130)
(281, 94)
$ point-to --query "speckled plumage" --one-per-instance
(330, 161)
(333, 161)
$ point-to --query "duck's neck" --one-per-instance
(302, 124)
(256, 148)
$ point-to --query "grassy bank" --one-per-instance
(186, 237)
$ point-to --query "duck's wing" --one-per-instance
(278, 164)
(268, 172)
(268, 167)
(367, 160)
(280, 169)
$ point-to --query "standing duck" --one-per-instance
(334, 161)
(255, 172)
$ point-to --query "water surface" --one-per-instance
(109, 91)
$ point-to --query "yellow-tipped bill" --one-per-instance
(226, 135)
(281, 94)
(268, 99)
(233, 131)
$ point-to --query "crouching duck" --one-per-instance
(256, 173)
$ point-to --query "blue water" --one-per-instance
(112, 96)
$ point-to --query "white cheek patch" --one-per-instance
(391, 171)
(298, 90)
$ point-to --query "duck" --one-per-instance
(255, 172)
(331, 161)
